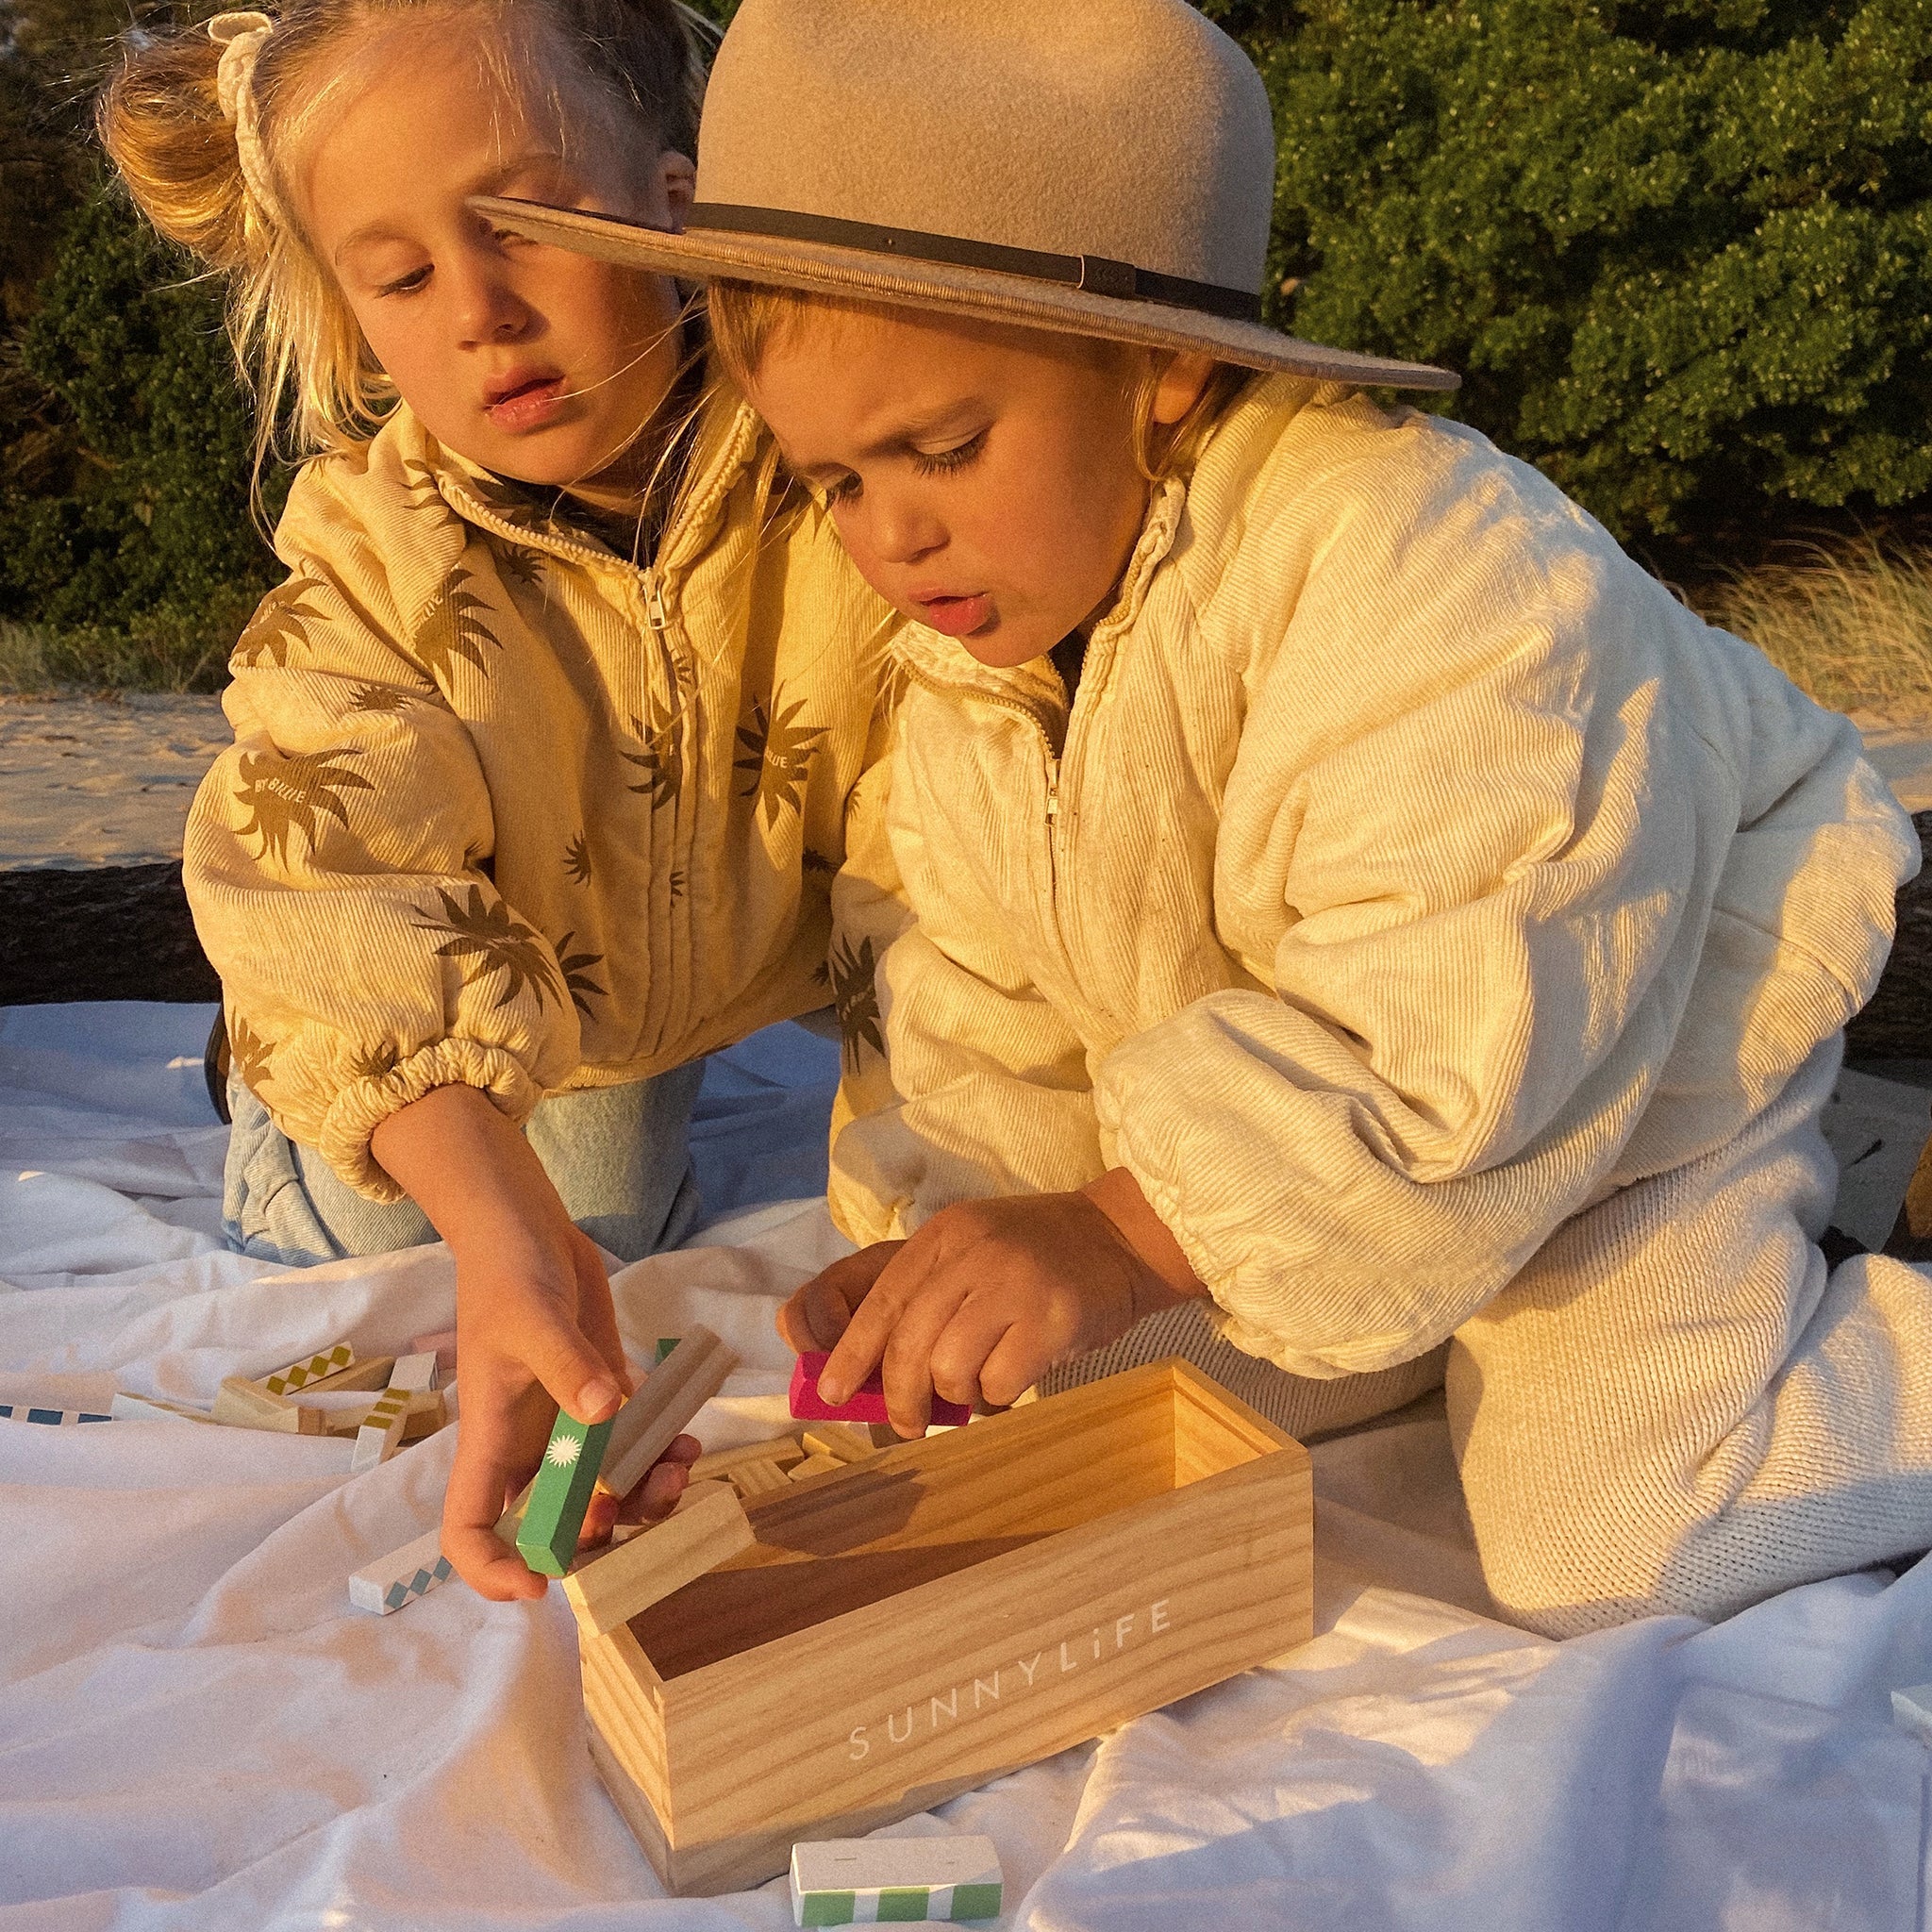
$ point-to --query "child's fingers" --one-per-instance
(573, 1372)
(596, 1312)
(478, 1481)
(821, 1311)
(663, 1483)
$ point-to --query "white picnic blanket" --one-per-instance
(196, 1730)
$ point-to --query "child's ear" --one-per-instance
(678, 177)
(1180, 388)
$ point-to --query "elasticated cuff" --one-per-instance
(363, 1105)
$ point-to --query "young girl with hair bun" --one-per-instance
(548, 751)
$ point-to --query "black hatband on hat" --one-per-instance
(1095, 273)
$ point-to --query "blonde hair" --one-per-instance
(162, 119)
(746, 318)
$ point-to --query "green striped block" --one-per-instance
(548, 1538)
(871, 1881)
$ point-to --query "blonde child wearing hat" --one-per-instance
(545, 750)
(1351, 917)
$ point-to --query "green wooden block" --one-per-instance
(828, 1908)
(976, 1901)
(548, 1538)
(903, 1905)
(665, 1344)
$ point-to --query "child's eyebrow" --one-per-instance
(492, 181)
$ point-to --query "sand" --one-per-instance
(108, 780)
(101, 781)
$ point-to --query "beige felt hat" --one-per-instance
(1102, 167)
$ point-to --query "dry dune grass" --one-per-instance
(1851, 624)
(164, 654)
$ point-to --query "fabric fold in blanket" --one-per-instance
(198, 1732)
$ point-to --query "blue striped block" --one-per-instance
(52, 1418)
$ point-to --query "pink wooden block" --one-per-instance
(442, 1345)
(867, 1406)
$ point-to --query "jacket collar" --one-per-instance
(729, 435)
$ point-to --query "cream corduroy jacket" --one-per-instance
(506, 809)
(1417, 871)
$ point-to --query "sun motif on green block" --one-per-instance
(564, 1451)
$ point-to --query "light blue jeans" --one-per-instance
(619, 1156)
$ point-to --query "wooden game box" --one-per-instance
(908, 1627)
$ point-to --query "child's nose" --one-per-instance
(903, 532)
(490, 310)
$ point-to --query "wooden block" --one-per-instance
(867, 1405)
(665, 1344)
(673, 1393)
(846, 1440)
(884, 1436)
(51, 1417)
(782, 1450)
(869, 1881)
(759, 1478)
(373, 1374)
(401, 1577)
(1911, 1710)
(381, 1434)
(946, 1613)
(414, 1372)
(426, 1413)
(708, 1525)
(300, 1374)
(548, 1538)
(813, 1465)
(242, 1404)
(442, 1343)
(151, 1408)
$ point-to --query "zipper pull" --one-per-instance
(654, 602)
(1053, 794)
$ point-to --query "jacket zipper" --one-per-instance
(1021, 708)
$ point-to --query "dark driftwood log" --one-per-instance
(1897, 1026)
(102, 932)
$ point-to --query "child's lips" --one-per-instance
(527, 405)
(957, 617)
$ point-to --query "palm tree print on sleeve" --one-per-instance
(280, 624)
(376, 1062)
(778, 757)
(484, 934)
(453, 628)
(662, 758)
(249, 1053)
(856, 994)
(285, 795)
(576, 973)
(378, 697)
(577, 859)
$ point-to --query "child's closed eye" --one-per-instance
(939, 462)
(404, 283)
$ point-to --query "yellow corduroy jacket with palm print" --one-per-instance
(506, 809)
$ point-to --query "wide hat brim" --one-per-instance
(717, 253)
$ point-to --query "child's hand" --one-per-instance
(536, 1330)
(986, 1296)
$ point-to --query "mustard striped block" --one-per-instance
(879, 1881)
(299, 1374)
(381, 1434)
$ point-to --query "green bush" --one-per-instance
(132, 502)
(1680, 250)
